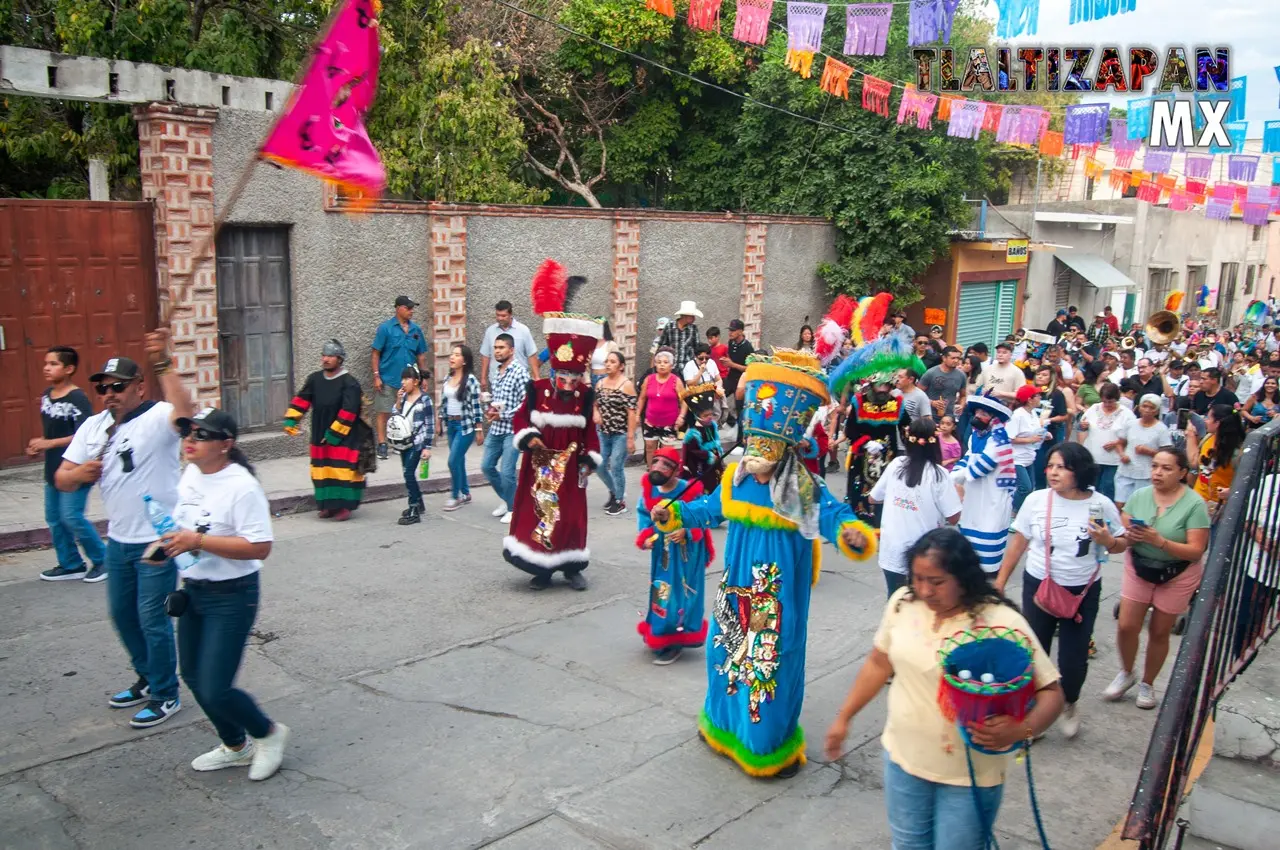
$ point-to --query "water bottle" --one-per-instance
(424, 468)
(163, 524)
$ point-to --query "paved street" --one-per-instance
(437, 703)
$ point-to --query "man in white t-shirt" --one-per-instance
(131, 451)
(1001, 379)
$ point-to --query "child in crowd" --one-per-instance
(951, 448)
(415, 423)
(63, 409)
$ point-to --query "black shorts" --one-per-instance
(653, 432)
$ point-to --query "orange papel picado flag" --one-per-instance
(662, 7)
(1051, 144)
(835, 78)
(322, 127)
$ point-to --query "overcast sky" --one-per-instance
(1251, 28)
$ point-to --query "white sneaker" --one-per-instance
(1070, 721)
(1120, 685)
(224, 756)
(506, 518)
(452, 505)
(269, 752)
(499, 511)
(1147, 696)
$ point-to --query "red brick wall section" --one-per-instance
(753, 281)
(626, 284)
(175, 145)
(448, 287)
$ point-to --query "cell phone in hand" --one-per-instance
(1137, 522)
(155, 554)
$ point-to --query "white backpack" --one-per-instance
(399, 433)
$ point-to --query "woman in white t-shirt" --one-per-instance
(917, 495)
(225, 525)
(1103, 426)
(1082, 522)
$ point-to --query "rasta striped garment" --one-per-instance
(334, 404)
(987, 475)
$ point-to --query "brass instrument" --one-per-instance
(1128, 343)
(1067, 338)
(1162, 327)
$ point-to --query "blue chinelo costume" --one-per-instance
(759, 628)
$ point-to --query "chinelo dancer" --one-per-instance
(703, 453)
(560, 445)
(677, 564)
(777, 514)
(987, 479)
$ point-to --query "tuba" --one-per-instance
(1162, 327)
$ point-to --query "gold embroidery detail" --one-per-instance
(549, 468)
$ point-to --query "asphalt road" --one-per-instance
(436, 702)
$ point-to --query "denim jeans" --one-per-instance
(893, 581)
(135, 596)
(1025, 486)
(926, 815)
(1107, 481)
(211, 636)
(501, 478)
(64, 514)
(459, 443)
(410, 460)
(1073, 637)
(613, 466)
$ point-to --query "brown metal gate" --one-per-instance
(78, 273)
(255, 344)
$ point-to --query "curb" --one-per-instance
(287, 502)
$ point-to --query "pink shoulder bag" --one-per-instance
(1052, 598)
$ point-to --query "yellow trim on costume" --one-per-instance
(673, 523)
(334, 473)
(867, 532)
(790, 377)
(293, 413)
(817, 560)
(757, 516)
(340, 428)
(749, 769)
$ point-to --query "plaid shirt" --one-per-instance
(472, 414)
(681, 340)
(508, 388)
(422, 419)
(1099, 335)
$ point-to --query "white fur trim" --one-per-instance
(524, 434)
(595, 458)
(543, 419)
(546, 560)
(567, 325)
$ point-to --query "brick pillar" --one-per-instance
(753, 281)
(626, 284)
(175, 146)
(448, 288)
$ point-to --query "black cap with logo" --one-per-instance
(406, 301)
(121, 368)
(211, 419)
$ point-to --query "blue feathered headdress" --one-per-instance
(882, 356)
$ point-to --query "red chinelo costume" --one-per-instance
(549, 520)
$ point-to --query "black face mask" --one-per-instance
(658, 478)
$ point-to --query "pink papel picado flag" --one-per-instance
(322, 127)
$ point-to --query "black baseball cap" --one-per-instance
(121, 368)
(211, 419)
(736, 325)
(406, 301)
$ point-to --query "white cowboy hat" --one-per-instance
(689, 308)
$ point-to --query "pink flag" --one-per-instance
(917, 106)
(322, 127)
(1178, 201)
(751, 23)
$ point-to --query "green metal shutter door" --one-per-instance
(1007, 309)
(975, 318)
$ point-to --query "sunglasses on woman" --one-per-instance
(117, 387)
(201, 435)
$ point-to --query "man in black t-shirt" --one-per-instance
(1058, 326)
(1075, 320)
(63, 409)
(740, 349)
(1212, 392)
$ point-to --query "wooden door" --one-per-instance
(255, 324)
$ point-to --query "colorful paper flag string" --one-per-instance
(1087, 150)
(804, 26)
(1149, 191)
(1198, 165)
(1124, 156)
(705, 14)
(751, 22)
(1275, 171)
(1085, 123)
(801, 61)
(1217, 209)
(1236, 131)
(1258, 194)
(1243, 167)
(321, 129)
(918, 106)
(1092, 168)
(835, 78)
(1179, 201)
(991, 121)
(1017, 17)
(1157, 161)
(662, 7)
(875, 95)
(1021, 125)
(1271, 137)
(867, 29)
(1237, 91)
(930, 21)
(944, 105)
(1256, 214)
(1094, 10)
(1195, 187)
(1051, 143)
(966, 118)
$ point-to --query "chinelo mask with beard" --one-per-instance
(664, 466)
(981, 420)
(566, 383)
(879, 392)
